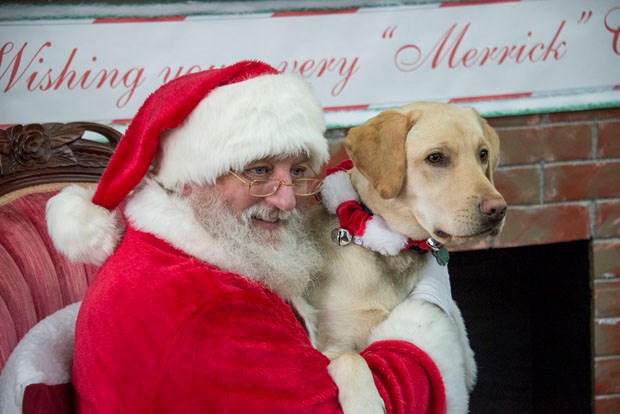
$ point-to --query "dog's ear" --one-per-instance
(377, 149)
(493, 140)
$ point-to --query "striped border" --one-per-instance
(491, 97)
(362, 107)
(475, 3)
(314, 12)
(108, 20)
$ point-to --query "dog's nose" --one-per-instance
(494, 209)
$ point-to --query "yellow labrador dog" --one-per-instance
(422, 177)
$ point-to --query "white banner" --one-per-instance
(502, 57)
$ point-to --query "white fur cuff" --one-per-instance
(43, 356)
(429, 328)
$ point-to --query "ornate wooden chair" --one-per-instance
(36, 161)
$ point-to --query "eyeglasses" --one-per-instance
(264, 188)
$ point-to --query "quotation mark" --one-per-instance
(585, 16)
(389, 32)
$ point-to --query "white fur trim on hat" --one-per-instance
(237, 124)
(81, 230)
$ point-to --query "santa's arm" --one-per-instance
(245, 354)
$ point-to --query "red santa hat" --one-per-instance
(199, 126)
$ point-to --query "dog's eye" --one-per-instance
(435, 157)
(484, 155)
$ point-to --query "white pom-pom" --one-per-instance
(81, 230)
(337, 189)
(379, 237)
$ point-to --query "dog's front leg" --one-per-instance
(357, 392)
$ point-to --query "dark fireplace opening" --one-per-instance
(528, 313)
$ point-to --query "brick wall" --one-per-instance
(560, 174)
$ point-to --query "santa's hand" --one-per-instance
(434, 286)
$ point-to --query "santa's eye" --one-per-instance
(257, 171)
(298, 172)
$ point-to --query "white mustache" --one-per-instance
(265, 213)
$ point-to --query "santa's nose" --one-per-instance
(284, 197)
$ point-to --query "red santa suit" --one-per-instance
(162, 332)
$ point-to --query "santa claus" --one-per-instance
(191, 309)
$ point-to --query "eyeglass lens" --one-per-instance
(300, 187)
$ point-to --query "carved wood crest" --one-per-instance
(49, 152)
(33, 146)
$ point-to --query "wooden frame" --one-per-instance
(35, 154)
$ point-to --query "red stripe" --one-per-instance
(491, 97)
(475, 3)
(313, 12)
(140, 19)
(345, 108)
(420, 244)
(345, 165)
(121, 121)
(617, 88)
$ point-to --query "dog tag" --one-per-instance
(433, 244)
(341, 237)
(439, 251)
(442, 256)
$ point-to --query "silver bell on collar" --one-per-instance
(341, 237)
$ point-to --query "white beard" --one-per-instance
(284, 259)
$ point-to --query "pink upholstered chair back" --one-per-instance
(36, 161)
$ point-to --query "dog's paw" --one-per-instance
(357, 392)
